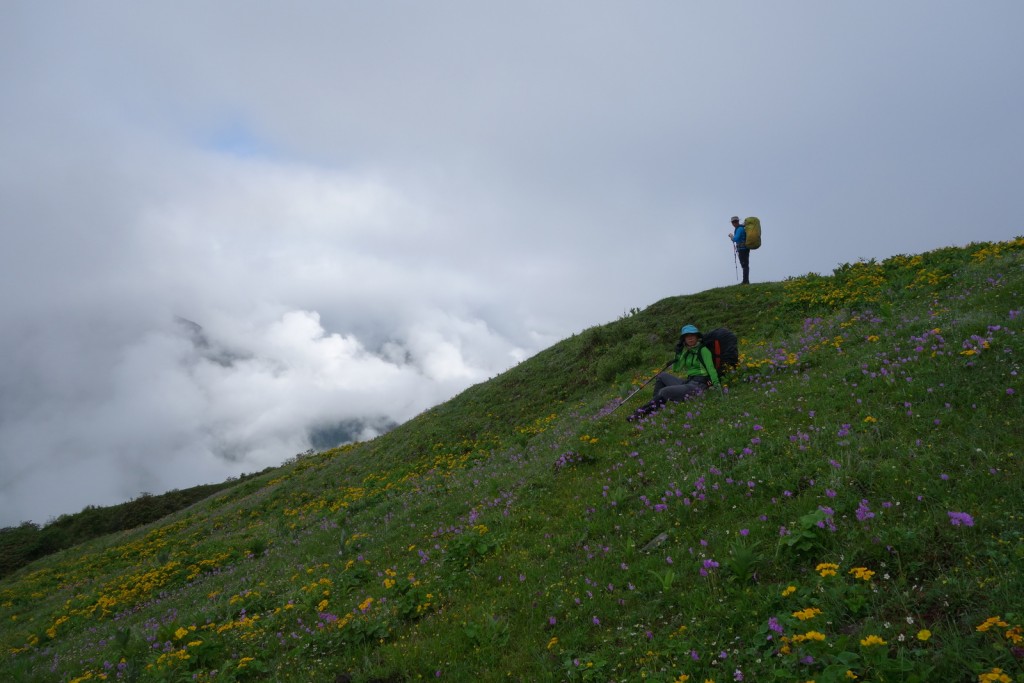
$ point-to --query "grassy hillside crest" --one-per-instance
(851, 509)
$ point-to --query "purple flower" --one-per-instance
(864, 513)
(960, 519)
(709, 566)
(774, 625)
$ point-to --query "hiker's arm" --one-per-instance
(709, 363)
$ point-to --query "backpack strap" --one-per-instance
(700, 355)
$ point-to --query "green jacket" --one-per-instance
(688, 363)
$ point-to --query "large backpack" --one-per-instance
(753, 227)
(724, 347)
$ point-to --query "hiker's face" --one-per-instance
(690, 339)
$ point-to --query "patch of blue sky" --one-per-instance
(236, 138)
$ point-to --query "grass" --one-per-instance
(850, 510)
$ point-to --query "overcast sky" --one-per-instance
(229, 227)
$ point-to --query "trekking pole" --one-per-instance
(642, 386)
(734, 263)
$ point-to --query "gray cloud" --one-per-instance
(369, 207)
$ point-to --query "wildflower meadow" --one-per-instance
(848, 508)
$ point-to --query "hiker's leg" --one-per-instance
(661, 381)
(745, 264)
(681, 391)
(664, 380)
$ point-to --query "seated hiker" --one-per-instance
(697, 366)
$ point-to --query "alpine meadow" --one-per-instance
(849, 508)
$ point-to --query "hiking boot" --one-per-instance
(646, 409)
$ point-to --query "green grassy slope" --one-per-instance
(851, 508)
(22, 544)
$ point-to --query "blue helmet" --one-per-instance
(689, 329)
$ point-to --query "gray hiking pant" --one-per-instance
(744, 255)
(671, 388)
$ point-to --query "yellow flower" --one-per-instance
(992, 621)
(805, 614)
(996, 675)
(553, 642)
(682, 678)
(811, 635)
(826, 569)
(788, 591)
(322, 605)
(870, 419)
(872, 640)
(862, 573)
(924, 634)
(851, 675)
(180, 633)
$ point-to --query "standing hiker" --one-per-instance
(697, 367)
(739, 239)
